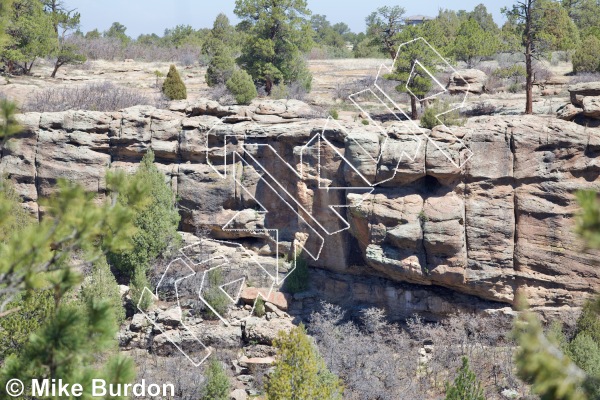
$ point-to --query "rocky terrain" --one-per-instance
(412, 233)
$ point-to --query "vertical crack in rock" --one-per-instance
(422, 221)
(151, 136)
(35, 166)
(514, 185)
(465, 232)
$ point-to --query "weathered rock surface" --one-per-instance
(500, 225)
(591, 106)
(467, 81)
(581, 90)
(250, 294)
(584, 108)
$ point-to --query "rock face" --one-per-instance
(584, 108)
(500, 225)
(467, 80)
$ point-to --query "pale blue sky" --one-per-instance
(153, 16)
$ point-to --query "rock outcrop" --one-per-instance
(500, 225)
(584, 108)
(467, 81)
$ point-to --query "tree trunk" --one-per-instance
(268, 86)
(529, 82)
(414, 114)
(29, 67)
(56, 67)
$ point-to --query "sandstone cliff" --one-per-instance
(501, 224)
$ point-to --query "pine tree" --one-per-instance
(63, 21)
(586, 58)
(278, 34)
(221, 36)
(465, 385)
(68, 344)
(300, 372)
(30, 312)
(408, 72)
(102, 285)
(217, 383)
(31, 36)
(534, 23)
(473, 43)
(220, 68)
(39, 258)
(156, 223)
(241, 86)
(173, 86)
(383, 26)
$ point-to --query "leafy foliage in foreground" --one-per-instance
(570, 372)
(73, 340)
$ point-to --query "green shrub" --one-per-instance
(514, 72)
(173, 87)
(465, 385)
(217, 383)
(586, 58)
(333, 113)
(515, 88)
(220, 68)
(242, 87)
(429, 119)
(214, 296)
(299, 371)
(156, 223)
(102, 285)
(298, 279)
(139, 281)
(585, 352)
(259, 307)
(589, 321)
(365, 122)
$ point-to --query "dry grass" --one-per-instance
(103, 96)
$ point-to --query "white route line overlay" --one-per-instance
(388, 69)
(368, 187)
(185, 261)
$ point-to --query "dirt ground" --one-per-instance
(328, 77)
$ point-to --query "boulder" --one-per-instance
(170, 317)
(264, 332)
(280, 300)
(581, 90)
(238, 394)
(246, 362)
(467, 81)
(568, 112)
(591, 106)
(138, 321)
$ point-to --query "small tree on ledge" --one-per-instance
(173, 87)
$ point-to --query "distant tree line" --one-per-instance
(266, 51)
